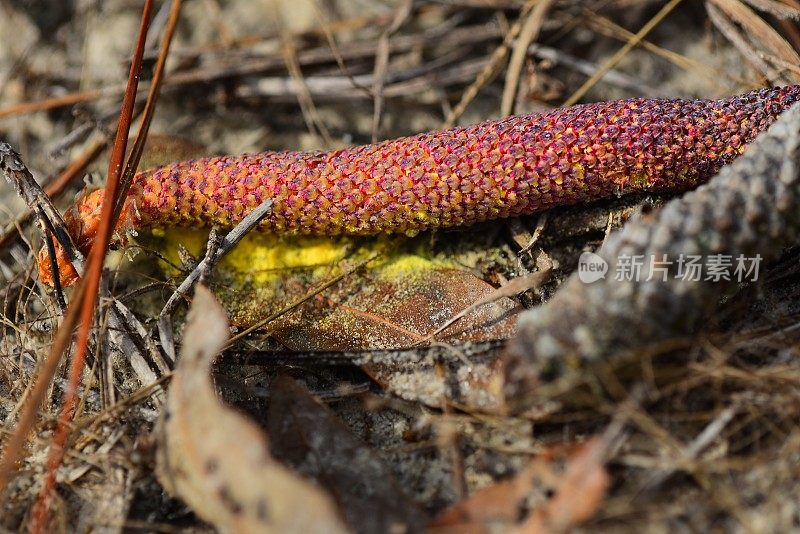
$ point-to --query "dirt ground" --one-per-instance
(709, 438)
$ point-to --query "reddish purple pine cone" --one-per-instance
(461, 176)
(464, 175)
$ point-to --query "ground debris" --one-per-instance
(219, 462)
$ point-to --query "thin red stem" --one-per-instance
(92, 279)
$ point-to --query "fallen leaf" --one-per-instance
(579, 492)
(395, 301)
(558, 490)
(397, 310)
(514, 287)
(216, 460)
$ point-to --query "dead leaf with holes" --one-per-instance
(216, 460)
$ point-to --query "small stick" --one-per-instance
(213, 256)
(51, 253)
(38, 202)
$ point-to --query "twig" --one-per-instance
(700, 442)
(529, 32)
(66, 100)
(401, 14)
(132, 340)
(399, 83)
(51, 254)
(337, 56)
(737, 39)
(216, 249)
(38, 202)
(54, 189)
(91, 282)
(237, 66)
(621, 53)
(587, 68)
(87, 123)
(213, 256)
(489, 70)
(768, 39)
(541, 223)
(609, 28)
(312, 117)
(213, 245)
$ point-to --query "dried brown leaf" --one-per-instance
(160, 149)
(392, 303)
(385, 312)
(514, 287)
(497, 505)
(559, 489)
(216, 460)
(579, 492)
